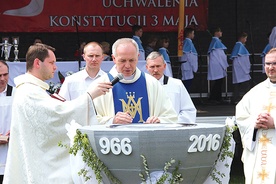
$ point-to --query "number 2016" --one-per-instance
(115, 145)
(200, 143)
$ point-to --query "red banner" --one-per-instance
(99, 15)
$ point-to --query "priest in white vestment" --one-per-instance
(175, 89)
(138, 97)
(38, 123)
(255, 115)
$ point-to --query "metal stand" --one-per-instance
(16, 51)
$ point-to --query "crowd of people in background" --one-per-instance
(217, 61)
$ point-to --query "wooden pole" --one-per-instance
(181, 27)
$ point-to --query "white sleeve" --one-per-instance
(187, 112)
(64, 90)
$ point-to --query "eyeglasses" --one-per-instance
(268, 64)
(4, 74)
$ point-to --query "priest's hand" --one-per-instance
(98, 89)
(4, 139)
(265, 121)
(3, 142)
(122, 118)
(152, 119)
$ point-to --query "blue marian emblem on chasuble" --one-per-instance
(132, 98)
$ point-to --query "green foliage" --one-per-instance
(81, 143)
(224, 153)
(176, 176)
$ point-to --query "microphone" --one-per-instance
(117, 79)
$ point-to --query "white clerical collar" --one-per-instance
(272, 84)
(134, 77)
(130, 77)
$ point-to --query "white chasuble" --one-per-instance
(38, 125)
(259, 155)
(265, 165)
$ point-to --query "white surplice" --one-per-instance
(241, 69)
(5, 121)
(180, 99)
(189, 67)
(217, 65)
(258, 156)
(38, 125)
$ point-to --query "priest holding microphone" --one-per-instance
(38, 122)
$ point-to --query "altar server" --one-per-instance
(38, 123)
(175, 89)
(217, 66)
(266, 49)
(190, 58)
(137, 34)
(272, 37)
(162, 45)
(240, 68)
(138, 97)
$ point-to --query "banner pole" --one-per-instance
(181, 27)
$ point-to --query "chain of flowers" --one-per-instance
(224, 153)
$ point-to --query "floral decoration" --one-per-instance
(54, 88)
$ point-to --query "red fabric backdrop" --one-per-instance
(99, 15)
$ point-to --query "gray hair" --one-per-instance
(153, 55)
(123, 41)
